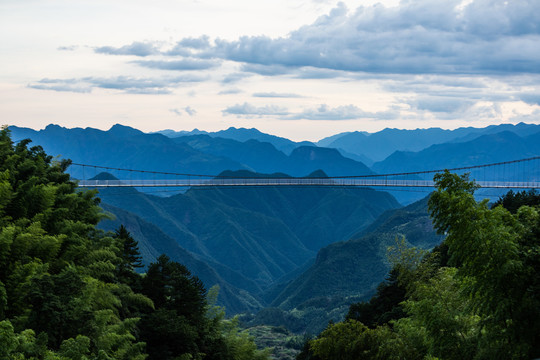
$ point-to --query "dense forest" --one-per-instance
(70, 291)
(476, 296)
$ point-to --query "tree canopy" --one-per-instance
(477, 296)
(70, 291)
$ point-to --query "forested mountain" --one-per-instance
(352, 269)
(377, 146)
(69, 290)
(308, 252)
(474, 297)
(267, 231)
(486, 149)
(125, 147)
(263, 157)
(243, 135)
(153, 242)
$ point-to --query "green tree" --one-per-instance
(497, 256)
(130, 258)
(56, 268)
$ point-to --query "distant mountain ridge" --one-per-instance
(378, 146)
(485, 149)
(242, 135)
(125, 147)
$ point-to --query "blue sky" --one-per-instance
(299, 69)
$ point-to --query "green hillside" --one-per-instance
(261, 233)
(348, 271)
(69, 290)
(153, 242)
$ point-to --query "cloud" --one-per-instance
(67, 48)
(190, 111)
(184, 64)
(231, 91)
(323, 112)
(474, 37)
(61, 87)
(417, 37)
(188, 46)
(530, 98)
(136, 48)
(276, 95)
(201, 42)
(127, 84)
(248, 110)
(234, 77)
(344, 112)
(440, 104)
(266, 69)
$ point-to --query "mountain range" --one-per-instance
(259, 234)
(378, 146)
(299, 250)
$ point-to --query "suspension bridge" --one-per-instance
(515, 174)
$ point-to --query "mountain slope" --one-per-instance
(267, 231)
(242, 134)
(124, 147)
(486, 149)
(379, 145)
(153, 242)
(356, 267)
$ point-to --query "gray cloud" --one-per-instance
(323, 112)
(231, 91)
(125, 84)
(61, 87)
(181, 65)
(276, 95)
(234, 77)
(136, 48)
(249, 110)
(530, 98)
(418, 37)
(440, 104)
(345, 112)
(187, 46)
(176, 111)
(266, 69)
(190, 111)
(484, 37)
(201, 42)
(67, 48)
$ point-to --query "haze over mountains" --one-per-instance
(283, 247)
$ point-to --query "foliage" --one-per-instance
(70, 291)
(497, 256)
(383, 307)
(474, 297)
(512, 201)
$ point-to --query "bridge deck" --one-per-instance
(362, 182)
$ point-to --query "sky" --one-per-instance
(302, 69)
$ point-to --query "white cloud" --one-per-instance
(344, 112)
(249, 110)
